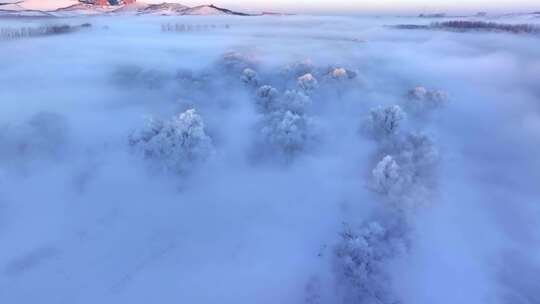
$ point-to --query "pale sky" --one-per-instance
(371, 6)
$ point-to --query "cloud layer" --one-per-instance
(85, 218)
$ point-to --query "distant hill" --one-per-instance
(107, 2)
(164, 9)
(211, 10)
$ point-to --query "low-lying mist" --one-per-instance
(268, 160)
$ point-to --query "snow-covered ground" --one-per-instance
(268, 160)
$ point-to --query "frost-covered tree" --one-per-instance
(307, 83)
(295, 101)
(383, 122)
(288, 132)
(361, 257)
(388, 177)
(417, 153)
(406, 176)
(418, 93)
(267, 99)
(339, 74)
(421, 99)
(250, 77)
(175, 145)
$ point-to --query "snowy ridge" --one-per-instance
(82, 9)
(66, 8)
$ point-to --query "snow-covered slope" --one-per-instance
(18, 8)
(11, 7)
(204, 10)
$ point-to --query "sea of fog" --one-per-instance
(277, 196)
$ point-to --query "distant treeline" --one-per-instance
(9, 33)
(460, 25)
(466, 26)
(176, 27)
